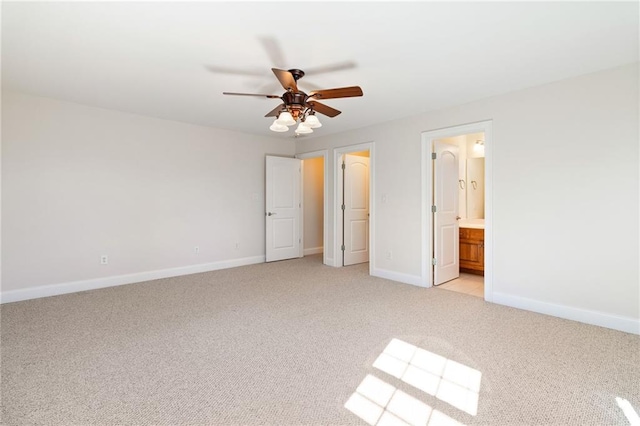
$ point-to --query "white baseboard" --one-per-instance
(398, 276)
(314, 250)
(615, 322)
(75, 286)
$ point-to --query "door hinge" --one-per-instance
(342, 247)
(433, 209)
(343, 166)
(434, 262)
(433, 155)
(343, 207)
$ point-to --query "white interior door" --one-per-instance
(356, 210)
(445, 219)
(283, 208)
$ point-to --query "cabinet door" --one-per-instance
(469, 251)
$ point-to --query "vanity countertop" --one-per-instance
(472, 223)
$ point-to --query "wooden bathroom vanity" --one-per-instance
(472, 250)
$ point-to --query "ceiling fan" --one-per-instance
(277, 58)
(297, 105)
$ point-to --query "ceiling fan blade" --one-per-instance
(252, 94)
(272, 47)
(342, 92)
(234, 71)
(310, 86)
(323, 109)
(270, 87)
(338, 66)
(305, 85)
(274, 112)
(286, 79)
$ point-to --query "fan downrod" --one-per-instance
(296, 73)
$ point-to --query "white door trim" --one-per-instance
(324, 153)
(427, 181)
(337, 195)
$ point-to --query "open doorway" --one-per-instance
(353, 174)
(314, 203)
(457, 209)
(458, 186)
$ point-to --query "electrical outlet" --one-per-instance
(104, 259)
(237, 246)
(196, 249)
(389, 255)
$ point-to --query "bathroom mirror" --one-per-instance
(471, 183)
(475, 188)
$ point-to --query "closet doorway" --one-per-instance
(353, 210)
(355, 207)
(314, 203)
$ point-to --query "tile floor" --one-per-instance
(467, 283)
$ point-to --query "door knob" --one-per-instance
(458, 218)
(270, 214)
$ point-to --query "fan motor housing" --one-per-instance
(291, 99)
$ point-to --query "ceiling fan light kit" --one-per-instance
(312, 121)
(297, 105)
(303, 129)
(285, 119)
(276, 127)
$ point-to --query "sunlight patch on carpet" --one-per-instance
(379, 403)
(629, 412)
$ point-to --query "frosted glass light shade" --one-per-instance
(285, 119)
(278, 127)
(303, 129)
(312, 122)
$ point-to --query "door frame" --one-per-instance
(427, 184)
(324, 154)
(337, 196)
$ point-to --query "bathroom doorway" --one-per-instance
(456, 211)
(465, 272)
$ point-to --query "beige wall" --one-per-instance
(313, 204)
(568, 151)
(471, 143)
(79, 182)
(360, 153)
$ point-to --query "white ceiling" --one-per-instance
(152, 58)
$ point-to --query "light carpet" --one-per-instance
(292, 342)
